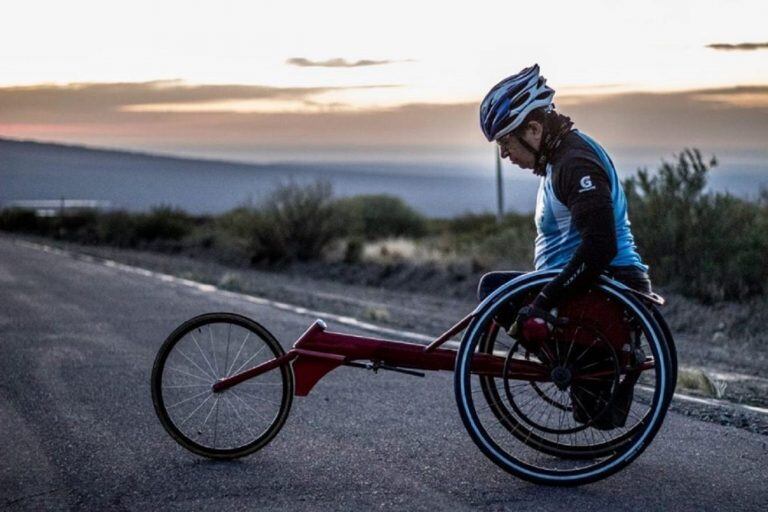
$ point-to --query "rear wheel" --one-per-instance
(545, 432)
(234, 422)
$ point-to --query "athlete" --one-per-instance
(581, 211)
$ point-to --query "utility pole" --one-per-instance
(499, 190)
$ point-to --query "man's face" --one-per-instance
(510, 147)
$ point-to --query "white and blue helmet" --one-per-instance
(506, 106)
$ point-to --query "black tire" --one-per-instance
(177, 376)
(573, 469)
(669, 343)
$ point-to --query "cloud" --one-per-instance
(337, 63)
(734, 117)
(738, 47)
(735, 90)
(83, 101)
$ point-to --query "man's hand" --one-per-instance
(534, 323)
(531, 324)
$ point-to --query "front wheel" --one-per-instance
(234, 422)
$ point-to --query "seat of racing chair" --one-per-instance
(493, 280)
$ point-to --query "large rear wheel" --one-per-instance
(561, 431)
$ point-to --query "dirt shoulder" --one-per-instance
(721, 347)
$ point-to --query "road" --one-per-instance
(78, 430)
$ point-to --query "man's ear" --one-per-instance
(535, 128)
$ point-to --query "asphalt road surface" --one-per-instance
(78, 430)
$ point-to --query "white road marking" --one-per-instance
(209, 288)
(345, 320)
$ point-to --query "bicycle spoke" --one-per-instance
(202, 354)
(229, 371)
(195, 410)
(213, 352)
(185, 356)
(215, 403)
(189, 375)
(247, 405)
(188, 399)
(249, 360)
(594, 342)
(242, 422)
(216, 426)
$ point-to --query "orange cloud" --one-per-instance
(735, 117)
(83, 101)
(738, 47)
(338, 63)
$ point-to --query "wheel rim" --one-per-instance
(236, 421)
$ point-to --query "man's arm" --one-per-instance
(585, 190)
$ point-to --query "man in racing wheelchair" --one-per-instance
(581, 222)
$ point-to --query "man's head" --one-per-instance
(512, 145)
(512, 114)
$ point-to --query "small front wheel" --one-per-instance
(234, 422)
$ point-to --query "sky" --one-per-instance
(274, 80)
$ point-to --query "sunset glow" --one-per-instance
(183, 72)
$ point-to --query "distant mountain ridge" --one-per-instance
(134, 180)
(137, 181)
(34, 145)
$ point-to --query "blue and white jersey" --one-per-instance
(580, 173)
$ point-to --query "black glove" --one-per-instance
(533, 311)
(533, 322)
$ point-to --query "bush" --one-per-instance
(78, 226)
(233, 234)
(374, 217)
(707, 246)
(163, 223)
(295, 223)
(491, 244)
(510, 248)
(19, 220)
(117, 228)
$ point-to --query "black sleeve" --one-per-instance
(584, 188)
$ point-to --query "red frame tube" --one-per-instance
(318, 352)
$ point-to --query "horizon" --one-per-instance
(34, 171)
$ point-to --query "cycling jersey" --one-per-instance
(580, 175)
(581, 217)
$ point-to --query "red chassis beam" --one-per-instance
(318, 351)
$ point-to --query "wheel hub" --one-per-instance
(561, 377)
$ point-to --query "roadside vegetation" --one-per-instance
(708, 246)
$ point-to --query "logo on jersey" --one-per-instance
(586, 184)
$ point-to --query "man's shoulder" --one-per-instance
(579, 170)
(575, 151)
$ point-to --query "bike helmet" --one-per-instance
(505, 107)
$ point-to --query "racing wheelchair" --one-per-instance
(569, 410)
